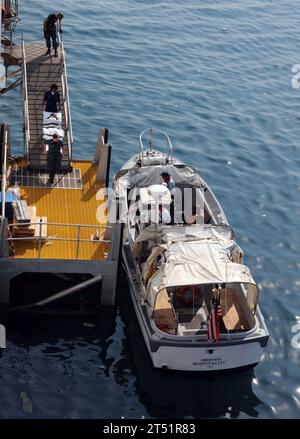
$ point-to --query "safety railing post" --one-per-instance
(40, 237)
(25, 100)
(78, 241)
(4, 170)
(66, 98)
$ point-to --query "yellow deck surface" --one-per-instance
(71, 206)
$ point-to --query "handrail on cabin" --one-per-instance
(168, 142)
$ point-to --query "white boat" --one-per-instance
(195, 300)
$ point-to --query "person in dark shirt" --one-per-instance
(55, 152)
(170, 183)
(52, 24)
(51, 101)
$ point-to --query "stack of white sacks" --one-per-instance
(52, 125)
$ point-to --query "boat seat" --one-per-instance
(163, 313)
(233, 314)
(32, 229)
(21, 211)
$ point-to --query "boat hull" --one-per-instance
(207, 359)
(191, 355)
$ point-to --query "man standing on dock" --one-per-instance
(52, 24)
(55, 152)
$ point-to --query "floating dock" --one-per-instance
(64, 231)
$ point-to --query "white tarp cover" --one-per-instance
(48, 133)
(203, 260)
(155, 193)
(52, 118)
(146, 176)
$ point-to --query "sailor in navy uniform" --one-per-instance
(51, 102)
(55, 152)
(52, 24)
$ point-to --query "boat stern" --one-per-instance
(212, 357)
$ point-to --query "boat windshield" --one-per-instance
(185, 310)
(205, 293)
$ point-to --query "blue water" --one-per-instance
(216, 76)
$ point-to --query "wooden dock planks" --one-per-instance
(42, 71)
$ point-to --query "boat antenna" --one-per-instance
(150, 139)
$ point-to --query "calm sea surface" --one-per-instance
(216, 76)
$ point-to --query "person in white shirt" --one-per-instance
(164, 215)
(170, 183)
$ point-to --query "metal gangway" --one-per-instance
(38, 73)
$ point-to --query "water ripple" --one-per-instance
(217, 78)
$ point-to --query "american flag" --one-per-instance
(213, 330)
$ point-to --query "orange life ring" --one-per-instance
(187, 295)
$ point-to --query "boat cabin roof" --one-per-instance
(201, 257)
(145, 176)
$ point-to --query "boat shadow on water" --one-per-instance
(161, 393)
(171, 394)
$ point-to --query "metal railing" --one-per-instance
(25, 101)
(9, 20)
(4, 169)
(40, 238)
(168, 143)
(66, 98)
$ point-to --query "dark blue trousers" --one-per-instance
(51, 36)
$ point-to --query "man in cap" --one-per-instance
(170, 183)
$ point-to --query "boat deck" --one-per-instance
(71, 201)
